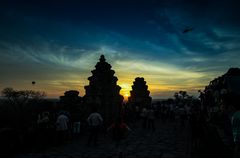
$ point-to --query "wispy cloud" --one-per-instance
(60, 51)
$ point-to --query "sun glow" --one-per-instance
(125, 91)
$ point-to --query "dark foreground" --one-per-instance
(169, 140)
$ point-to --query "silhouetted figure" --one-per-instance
(151, 118)
(197, 129)
(119, 133)
(225, 132)
(76, 128)
(218, 141)
(9, 143)
(95, 121)
(43, 123)
(119, 130)
(171, 112)
(144, 118)
(236, 133)
(164, 112)
(62, 127)
(182, 115)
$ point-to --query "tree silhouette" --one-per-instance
(19, 101)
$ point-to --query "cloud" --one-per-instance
(61, 49)
(164, 68)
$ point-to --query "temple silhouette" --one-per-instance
(103, 92)
(140, 94)
(183, 123)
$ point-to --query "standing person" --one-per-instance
(119, 129)
(236, 133)
(164, 112)
(151, 118)
(196, 129)
(62, 127)
(94, 120)
(144, 117)
(43, 127)
(119, 132)
(182, 114)
(171, 112)
(76, 128)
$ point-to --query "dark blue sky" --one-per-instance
(57, 43)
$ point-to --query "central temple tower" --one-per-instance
(103, 91)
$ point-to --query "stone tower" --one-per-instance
(140, 93)
(71, 101)
(103, 91)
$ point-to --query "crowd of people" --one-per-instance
(54, 128)
(59, 128)
(214, 133)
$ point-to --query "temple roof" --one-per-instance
(102, 58)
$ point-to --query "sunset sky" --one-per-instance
(57, 43)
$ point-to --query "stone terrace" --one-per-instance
(168, 141)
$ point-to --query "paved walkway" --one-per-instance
(169, 140)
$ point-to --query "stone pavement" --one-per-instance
(169, 140)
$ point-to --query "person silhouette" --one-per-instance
(94, 120)
(119, 130)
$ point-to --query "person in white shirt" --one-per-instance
(62, 128)
(94, 120)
